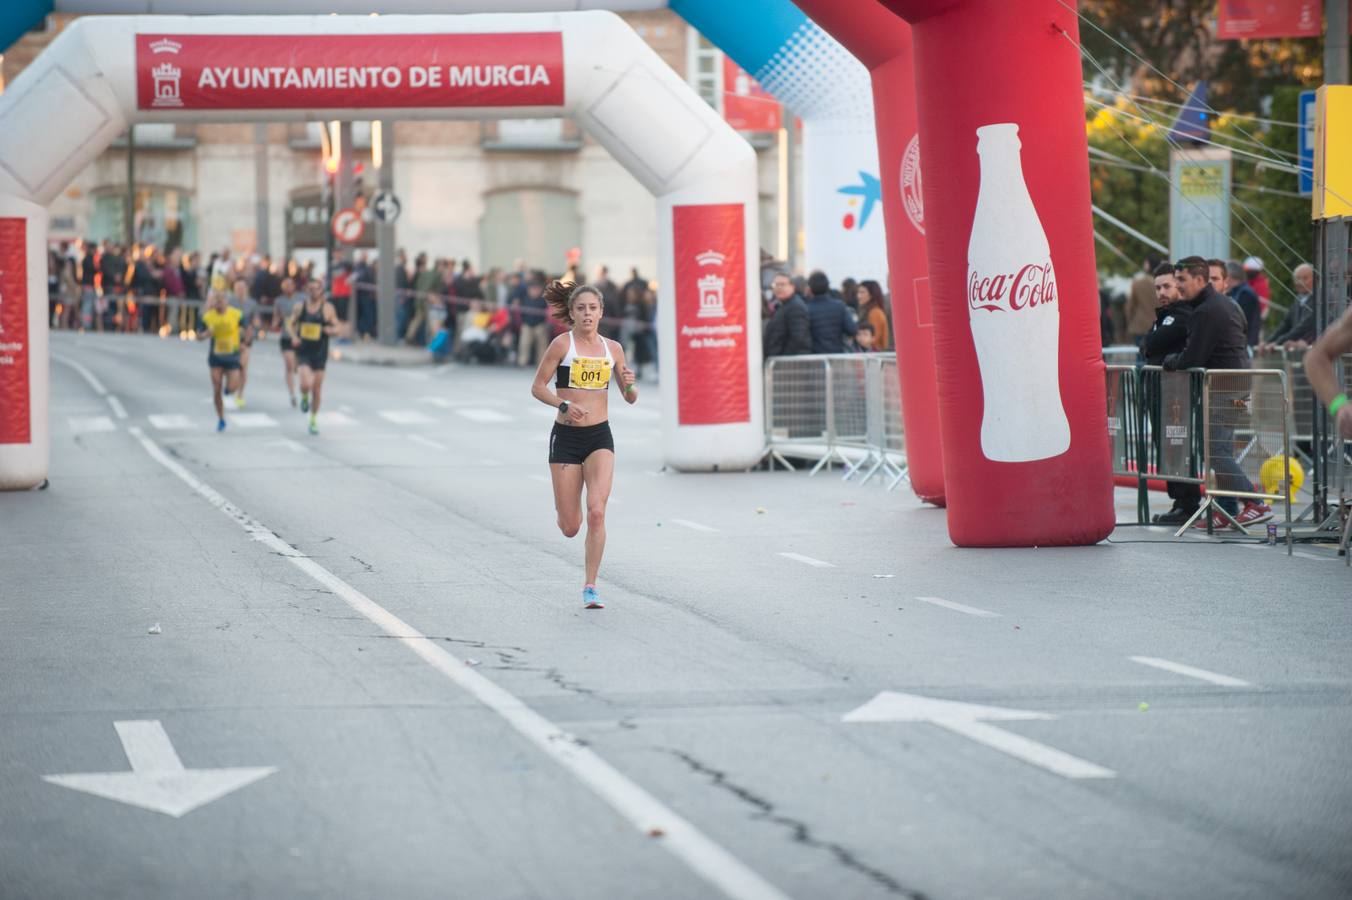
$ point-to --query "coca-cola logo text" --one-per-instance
(1033, 285)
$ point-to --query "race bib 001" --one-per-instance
(311, 331)
(589, 374)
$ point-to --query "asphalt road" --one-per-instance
(387, 620)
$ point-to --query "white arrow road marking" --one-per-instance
(969, 720)
(1190, 671)
(642, 810)
(90, 424)
(959, 607)
(818, 563)
(118, 409)
(157, 780)
(693, 526)
(483, 415)
(406, 417)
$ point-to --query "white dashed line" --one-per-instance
(118, 409)
(174, 422)
(406, 417)
(1190, 671)
(334, 419)
(426, 442)
(959, 607)
(483, 415)
(807, 560)
(252, 420)
(693, 526)
(91, 424)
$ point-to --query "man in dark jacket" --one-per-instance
(830, 318)
(1217, 339)
(788, 332)
(1237, 289)
(1296, 331)
(1168, 335)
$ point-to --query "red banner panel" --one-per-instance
(1269, 19)
(379, 71)
(746, 105)
(15, 417)
(711, 350)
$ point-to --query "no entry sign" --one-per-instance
(348, 226)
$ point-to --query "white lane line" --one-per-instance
(483, 415)
(288, 444)
(426, 442)
(90, 424)
(174, 422)
(1190, 671)
(798, 557)
(1030, 751)
(693, 526)
(118, 409)
(84, 373)
(959, 607)
(406, 417)
(644, 811)
(544, 479)
(442, 402)
(330, 419)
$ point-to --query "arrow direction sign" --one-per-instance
(970, 720)
(157, 780)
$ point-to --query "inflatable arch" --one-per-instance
(1011, 257)
(104, 74)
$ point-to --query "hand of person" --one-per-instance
(576, 413)
(1344, 421)
(626, 378)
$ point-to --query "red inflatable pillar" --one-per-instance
(882, 42)
(1011, 265)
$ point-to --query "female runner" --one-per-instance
(581, 449)
(311, 325)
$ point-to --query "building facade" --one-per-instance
(493, 192)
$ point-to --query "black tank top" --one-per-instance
(310, 330)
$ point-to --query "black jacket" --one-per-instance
(1247, 300)
(1298, 324)
(788, 332)
(1168, 335)
(831, 321)
(1217, 335)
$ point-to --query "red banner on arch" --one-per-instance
(15, 415)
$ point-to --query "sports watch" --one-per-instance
(563, 407)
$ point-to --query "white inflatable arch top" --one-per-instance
(103, 74)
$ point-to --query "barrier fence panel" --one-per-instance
(1246, 426)
(796, 392)
(1121, 355)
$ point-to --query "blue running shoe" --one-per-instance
(304, 403)
(590, 600)
(220, 425)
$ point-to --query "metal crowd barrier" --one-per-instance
(836, 408)
(1211, 428)
(1121, 355)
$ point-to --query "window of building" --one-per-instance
(163, 217)
(704, 68)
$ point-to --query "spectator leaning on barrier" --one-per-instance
(1253, 271)
(1296, 331)
(1320, 362)
(789, 332)
(828, 316)
(1237, 289)
(1141, 302)
(873, 311)
(1169, 335)
(536, 332)
(1216, 340)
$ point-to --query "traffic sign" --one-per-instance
(348, 226)
(386, 207)
(1305, 142)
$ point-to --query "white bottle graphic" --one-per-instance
(1013, 309)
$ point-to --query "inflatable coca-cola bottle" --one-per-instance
(1013, 310)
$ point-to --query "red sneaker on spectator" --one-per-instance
(1218, 522)
(1253, 513)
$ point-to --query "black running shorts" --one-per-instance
(226, 361)
(574, 443)
(314, 357)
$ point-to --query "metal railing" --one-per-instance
(832, 409)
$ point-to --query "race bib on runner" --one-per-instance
(588, 373)
(311, 331)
